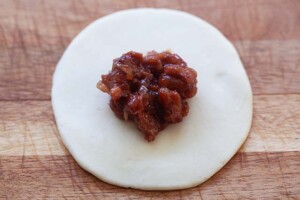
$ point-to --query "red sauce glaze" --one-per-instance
(152, 90)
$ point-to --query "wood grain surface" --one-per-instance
(34, 163)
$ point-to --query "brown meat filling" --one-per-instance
(150, 90)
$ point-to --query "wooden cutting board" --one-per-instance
(33, 161)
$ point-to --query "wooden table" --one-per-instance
(33, 161)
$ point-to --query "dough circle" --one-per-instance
(183, 155)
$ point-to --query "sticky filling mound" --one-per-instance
(150, 90)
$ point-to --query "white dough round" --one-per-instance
(184, 154)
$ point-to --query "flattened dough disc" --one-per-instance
(184, 154)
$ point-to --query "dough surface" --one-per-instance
(184, 154)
